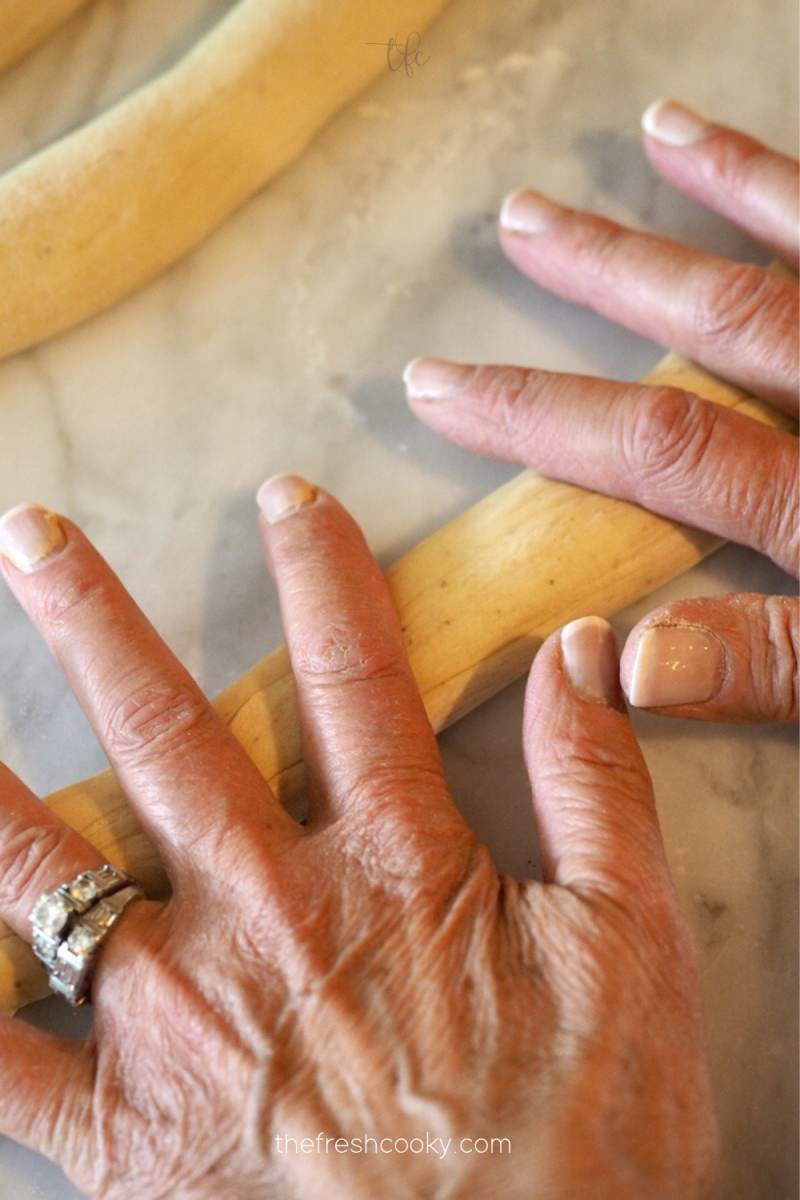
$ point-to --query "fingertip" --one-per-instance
(592, 795)
(529, 213)
(591, 662)
(672, 664)
(282, 495)
(436, 378)
(726, 658)
(30, 536)
(673, 124)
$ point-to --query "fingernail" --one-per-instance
(589, 654)
(435, 379)
(282, 495)
(527, 211)
(28, 535)
(676, 664)
(674, 124)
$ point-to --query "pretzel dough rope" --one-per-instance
(106, 209)
(475, 599)
(25, 23)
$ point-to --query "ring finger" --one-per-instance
(183, 771)
(38, 853)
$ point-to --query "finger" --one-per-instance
(593, 799)
(725, 658)
(367, 741)
(602, 848)
(754, 187)
(739, 321)
(181, 768)
(38, 853)
(663, 448)
(46, 1092)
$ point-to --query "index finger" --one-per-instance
(183, 771)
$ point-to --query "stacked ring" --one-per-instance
(71, 923)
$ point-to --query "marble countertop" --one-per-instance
(278, 344)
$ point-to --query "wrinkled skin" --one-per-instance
(664, 448)
(366, 974)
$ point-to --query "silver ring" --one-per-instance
(71, 973)
(59, 914)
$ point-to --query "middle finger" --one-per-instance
(738, 320)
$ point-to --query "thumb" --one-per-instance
(593, 798)
(722, 658)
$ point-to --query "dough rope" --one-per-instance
(26, 23)
(101, 212)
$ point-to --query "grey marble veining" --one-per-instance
(277, 345)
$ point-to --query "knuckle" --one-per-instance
(25, 852)
(507, 398)
(735, 304)
(70, 599)
(667, 436)
(599, 239)
(155, 717)
(599, 247)
(338, 654)
(778, 666)
(775, 512)
(745, 170)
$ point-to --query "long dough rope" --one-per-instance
(106, 209)
(25, 23)
(476, 599)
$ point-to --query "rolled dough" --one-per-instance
(107, 208)
(25, 23)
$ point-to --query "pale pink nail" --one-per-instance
(436, 379)
(589, 655)
(674, 124)
(283, 495)
(30, 534)
(529, 212)
(676, 664)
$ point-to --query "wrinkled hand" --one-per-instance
(366, 975)
(726, 658)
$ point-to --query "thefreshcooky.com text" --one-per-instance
(321, 1144)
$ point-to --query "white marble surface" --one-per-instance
(277, 346)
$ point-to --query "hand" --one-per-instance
(726, 658)
(366, 975)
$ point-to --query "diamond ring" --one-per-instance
(71, 923)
